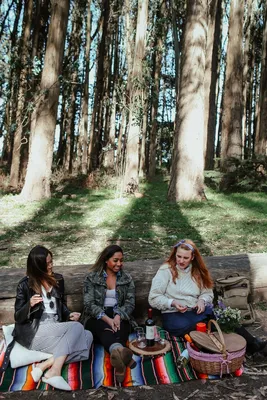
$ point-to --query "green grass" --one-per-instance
(76, 229)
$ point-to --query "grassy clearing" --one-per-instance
(77, 228)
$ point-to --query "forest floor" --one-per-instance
(83, 216)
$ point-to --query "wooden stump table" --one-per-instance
(156, 350)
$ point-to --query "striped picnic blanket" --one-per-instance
(97, 371)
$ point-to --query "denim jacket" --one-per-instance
(94, 292)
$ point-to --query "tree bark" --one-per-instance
(261, 127)
(211, 76)
(83, 134)
(231, 143)
(160, 36)
(37, 182)
(188, 162)
(131, 178)
(20, 116)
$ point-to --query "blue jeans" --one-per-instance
(178, 324)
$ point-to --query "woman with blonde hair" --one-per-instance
(182, 289)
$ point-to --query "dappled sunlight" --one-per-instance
(14, 211)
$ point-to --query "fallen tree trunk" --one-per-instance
(250, 265)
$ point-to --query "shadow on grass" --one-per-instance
(56, 222)
(160, 223)
(258, 206)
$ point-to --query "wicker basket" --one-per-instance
(216, 363)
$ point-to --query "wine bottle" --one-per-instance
(150, 329)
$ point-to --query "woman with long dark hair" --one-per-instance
(41, 317)
(109, 300)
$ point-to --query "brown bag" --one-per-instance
(234, 291)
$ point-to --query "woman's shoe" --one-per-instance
(117, 362)
(127, 357)
(57, 382)
(36, 373)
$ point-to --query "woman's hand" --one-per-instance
(117, 321)
(178, 306)
(74, 316)
(35, 299)
(200, 307)
(111, 322)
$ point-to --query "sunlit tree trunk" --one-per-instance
(15, 166)
(261, 127)
(37, 182)
(231, 143)
(131, 168)
(188, 162)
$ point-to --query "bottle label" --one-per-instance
(150, 332)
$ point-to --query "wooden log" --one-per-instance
(251, 265)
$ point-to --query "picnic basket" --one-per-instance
(223, 362)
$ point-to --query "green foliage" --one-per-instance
(245, 175)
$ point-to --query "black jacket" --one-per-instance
(27, 318)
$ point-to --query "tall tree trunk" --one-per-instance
(231, 143)
(83, 134)
(160, 36)
(261, 127)
(188, 162)
(246, 73)
(97, 114)
(20, 116)
(75, 43)
(10, 116)
(37, 182)
(131, 179)
(142, 166)
(211, 76)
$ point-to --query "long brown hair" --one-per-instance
(199, 272)
(104, 256)
(37, 269)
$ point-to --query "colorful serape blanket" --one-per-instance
(97, 371)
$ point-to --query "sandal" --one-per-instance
(117, 362)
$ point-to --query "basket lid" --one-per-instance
(233, 341)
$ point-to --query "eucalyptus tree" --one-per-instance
(160, 36)
(22, 94)
(261, 127)
(37, 181)
(83, 127)
(211, 77)
(231, 139)
(131, 177)
(188, 162)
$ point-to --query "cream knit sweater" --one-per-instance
(163, 291)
